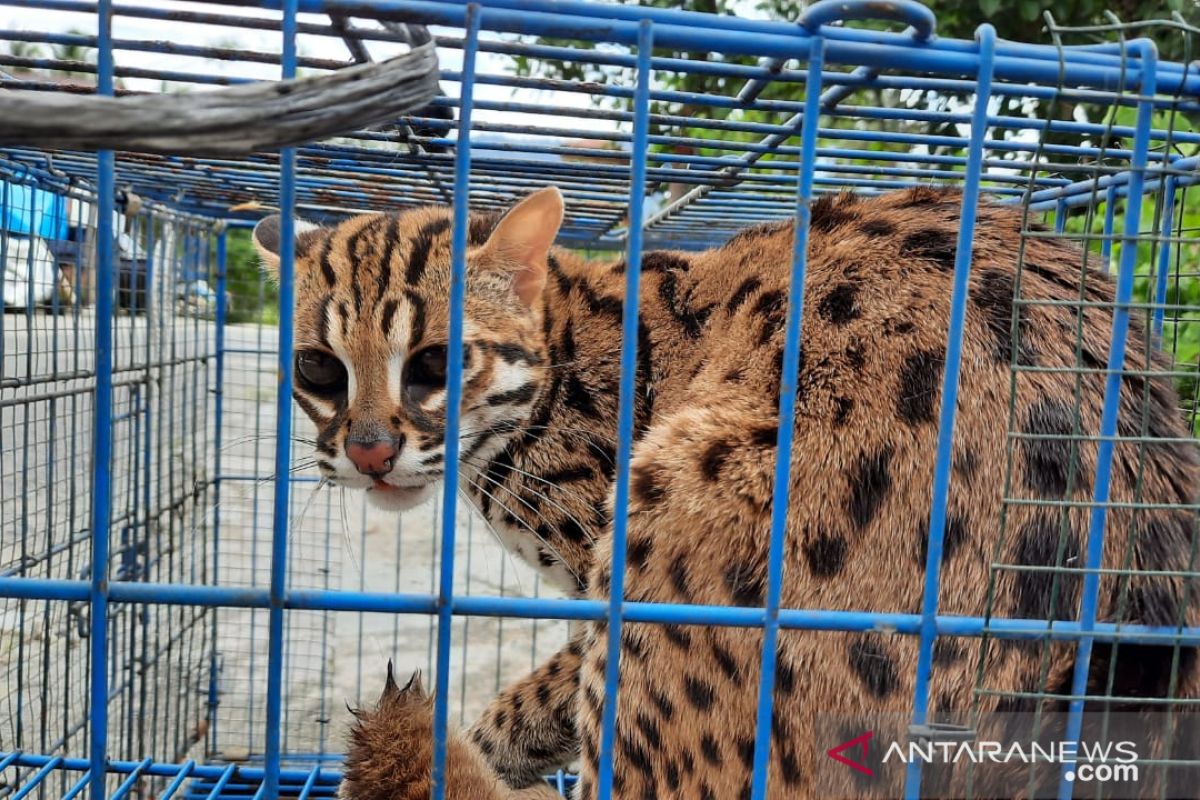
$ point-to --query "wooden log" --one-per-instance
(226, 122)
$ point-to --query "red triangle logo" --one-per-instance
(851, 761)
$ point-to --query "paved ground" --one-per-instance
(170, 526)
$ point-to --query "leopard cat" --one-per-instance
(391, 747)
(539, 416)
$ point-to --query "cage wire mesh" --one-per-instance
(194, 418)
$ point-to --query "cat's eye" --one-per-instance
(425, 371)
(320, 372)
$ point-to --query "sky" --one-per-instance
(125, 27)
(268, 41)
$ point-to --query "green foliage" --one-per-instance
(1181, 326)
(1023, 22)
(255, 297)
(1014, 20)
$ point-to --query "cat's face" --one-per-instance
(372, 324)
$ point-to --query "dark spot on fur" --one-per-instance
(666, 709)
(1137, 671)
(679, 577)
(514, 353)
(826, 554)
(785, 674)
(920, 386)
(521, 395)
(788, 765)
(770, 306)
(647, 487)
(632, 644)
(1091, 360)
(662, 261)
(418, 255)
(1037, 545)
(486, 746)
(714, 458)
(745, 750)
(966, 463)
(745, 584)
(603, 583)
(829, 212)
(725, 660)
(954, 537)
(387, 316)
(932, 245)
(947, 651)
(481, 226)
(1048, 461)
(579, 397)
(856, 358)
(874, 667)
(1098, 286)
(326, 266)
(779, 730)
(710, 749)
(636, 756)
(766, 436)
(842, 406)
(678, 636)
(572, 531)
(699, 693)
(638, 551)
(649, 729)
(691, 319)
(747, 288)
(671, 774)
(416, 311)
(869, 482)
(993, 294)
(840, 306)
(877, 227)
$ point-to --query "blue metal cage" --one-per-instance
(164, 545)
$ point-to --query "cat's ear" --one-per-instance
(524, 237)
(266, 239)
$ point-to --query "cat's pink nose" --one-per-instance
(372, 458)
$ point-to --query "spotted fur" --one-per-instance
(868, 389)
(391, 750)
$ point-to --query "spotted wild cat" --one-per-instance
(542, 335)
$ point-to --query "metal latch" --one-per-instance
(941, 732)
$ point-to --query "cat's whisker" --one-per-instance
(549, 547)
(263, 437)
(583, 434)
(487, 524)
(293, 524)
(345, 518)
(536, 493)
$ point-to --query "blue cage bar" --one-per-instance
(163, 539)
